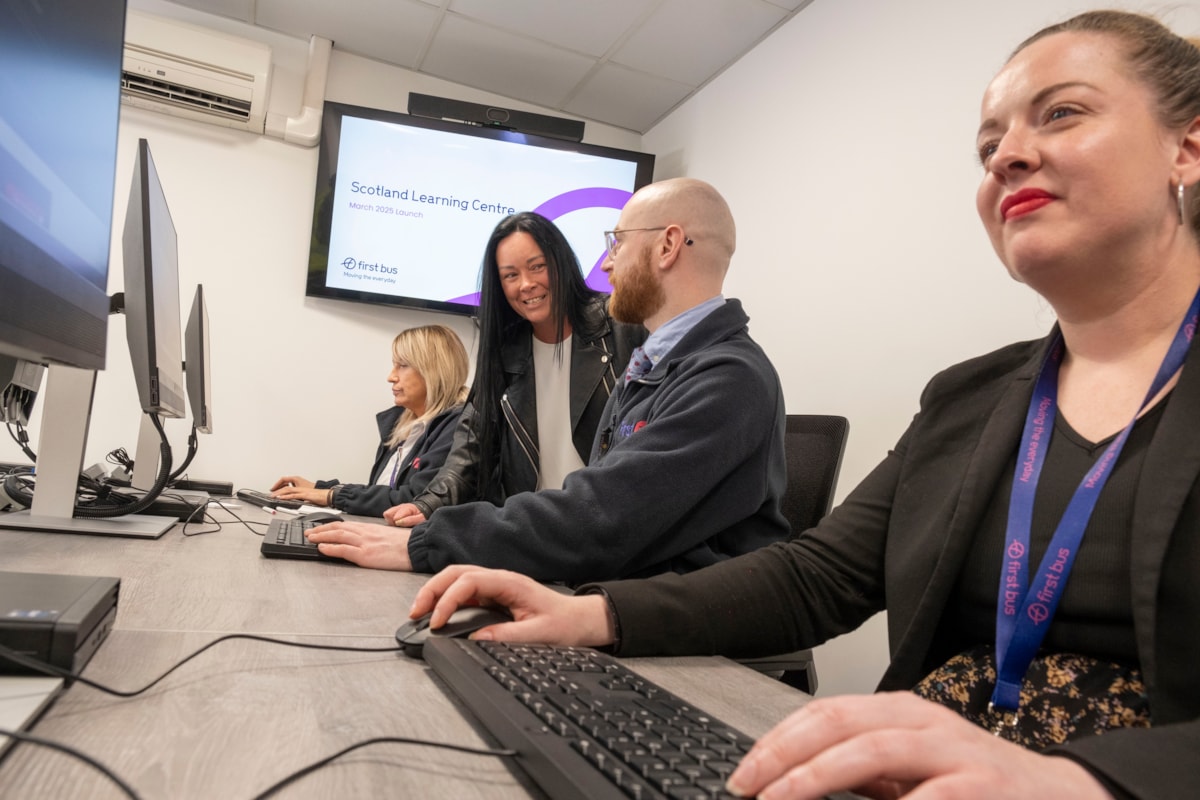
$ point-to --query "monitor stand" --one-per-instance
(66, 416)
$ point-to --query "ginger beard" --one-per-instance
(638, 293)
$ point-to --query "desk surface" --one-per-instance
(245, 714)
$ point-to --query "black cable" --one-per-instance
(245, 522)
(58, 672)
(22, 439)
(121, 458)
(316, 765)
(145, 501)
(193, 446)
(202, 510)
(50, 669)
(101, 500)
(71, 751)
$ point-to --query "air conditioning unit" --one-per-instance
(196, 73)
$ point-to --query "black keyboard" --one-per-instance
(264, 500)
(285, 539)
(586, 726)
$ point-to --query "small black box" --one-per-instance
(59, 619)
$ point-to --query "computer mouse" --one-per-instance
(462, 623)
(320, 517)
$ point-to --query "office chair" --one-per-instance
(813, 446)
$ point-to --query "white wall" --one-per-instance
(845, 146)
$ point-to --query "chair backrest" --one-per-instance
(813, 444)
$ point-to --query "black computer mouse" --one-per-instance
(462, 623)
(320, 517)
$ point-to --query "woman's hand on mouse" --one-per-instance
(540, 614)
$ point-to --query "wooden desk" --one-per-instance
(245, 714)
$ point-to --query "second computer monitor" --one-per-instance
(152, 292)
(198, 366)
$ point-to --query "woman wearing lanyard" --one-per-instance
(1034, 534)
(429, 370)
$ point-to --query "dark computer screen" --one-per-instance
(198, 366)
(152, 292)
(60, 82)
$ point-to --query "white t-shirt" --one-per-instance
(552, 380)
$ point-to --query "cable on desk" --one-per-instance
(71, 751)
(316, 765)
(58, 672)
(245, 522)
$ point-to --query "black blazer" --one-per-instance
(900, 539)
(419, 467)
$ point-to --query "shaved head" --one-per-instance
(696, 207)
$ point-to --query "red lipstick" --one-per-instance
(1024, 202)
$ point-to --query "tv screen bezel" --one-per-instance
(334, 113)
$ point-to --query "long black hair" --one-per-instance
(498, 323)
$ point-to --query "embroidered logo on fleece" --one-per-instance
(628, 429)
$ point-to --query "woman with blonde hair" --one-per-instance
(428, 377)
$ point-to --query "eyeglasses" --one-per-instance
(612, 244)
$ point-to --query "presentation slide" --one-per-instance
(413, 207)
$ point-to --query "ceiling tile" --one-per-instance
(473, 54)
(394, 31)
(585, 27)
(628, 99)
(689, 41)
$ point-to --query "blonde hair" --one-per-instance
(438, 356)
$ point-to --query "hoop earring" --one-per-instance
(1179, 188)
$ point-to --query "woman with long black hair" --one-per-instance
(549, 356)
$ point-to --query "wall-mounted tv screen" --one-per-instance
(404, 205)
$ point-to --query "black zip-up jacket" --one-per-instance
(371, 499)
(600, 351)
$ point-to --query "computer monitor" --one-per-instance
(60, 83)
(198, 364)
(152, 327)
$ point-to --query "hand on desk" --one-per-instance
(405, 515)
(899, 745)
(540, 614)
(367, 544)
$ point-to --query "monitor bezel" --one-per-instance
(335, 112)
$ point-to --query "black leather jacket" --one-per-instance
(600, 351)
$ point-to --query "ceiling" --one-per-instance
(626, 63)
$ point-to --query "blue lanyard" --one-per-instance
(1025, 607)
